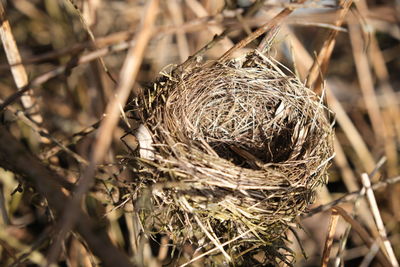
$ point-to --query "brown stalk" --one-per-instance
(378, 220)
(320, 65)
(91, 36)
(363, 234)
(329, 238)
(341, 116)
(18, 70)
(275, 22)
(200, 12)
(390, 111)
(177, 18)
(127, 77)
(14, 156)
(352, 196)
(365, 79)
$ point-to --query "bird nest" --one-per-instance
(238, 150)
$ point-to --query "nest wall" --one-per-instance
(239, 149)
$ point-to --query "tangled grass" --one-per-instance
(238, 150)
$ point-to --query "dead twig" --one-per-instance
(18, 70)
(329, 237)
(264, 28)
(320, 65)
(14, 157)
(351, 196)
(127, 77)
(378, 219)
(364, 235)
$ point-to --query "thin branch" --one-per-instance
(378, 219)
(199, 10)
(177, 18)
(62, 69)
(18, 70)
(14, 157)
(92, 38)
(264, 28)
(365, 236)
(320, 64)
(366, 80)
(128, 75)
(329, 238)
(351, 196)
(370, 256)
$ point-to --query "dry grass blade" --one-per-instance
(17, 69)
(200, 12)
(127, 78)
(63, 69)
(378, 219)
(370, 256)
(92, 38)
(329, 238)
(352, 196)
(177, 18)
(275, 22)
(213, 239)
(390, 114)
(363, 234)
(342, 118)
(320, 65)
(354, 136)
(214, 249)
(13, 156)
(365, 79)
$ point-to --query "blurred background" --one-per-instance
(87, 42)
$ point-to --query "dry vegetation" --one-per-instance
(77, 189)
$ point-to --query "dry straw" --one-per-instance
(238, 149)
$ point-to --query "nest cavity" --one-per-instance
(239, 149)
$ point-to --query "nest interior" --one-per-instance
(239, 150)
